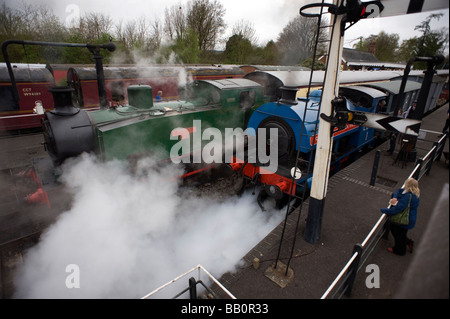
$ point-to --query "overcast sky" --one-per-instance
(268, 17)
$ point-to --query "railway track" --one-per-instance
(21, 223)
(11, 256)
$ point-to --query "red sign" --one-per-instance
(347, 128)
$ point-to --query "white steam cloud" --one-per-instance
(129, 233)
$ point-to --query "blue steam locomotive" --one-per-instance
(296, 121)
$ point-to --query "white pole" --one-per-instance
(324, 142)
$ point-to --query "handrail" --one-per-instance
(343, 271)
(199, 267)
(380, 220)
(429, 153)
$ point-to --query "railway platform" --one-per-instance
(352, 209)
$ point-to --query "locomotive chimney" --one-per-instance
(62, 97)
(288, 95)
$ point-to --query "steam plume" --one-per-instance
(130, 233)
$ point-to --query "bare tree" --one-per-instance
(119, 33)
(10, 22)
(175, 22)
(205, 18)
(130, 34)
(246, 29)
(296, 41)
(142, 30)
(139, 36)
(93, 25)
(155, 36)
(31, 22)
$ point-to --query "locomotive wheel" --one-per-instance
(267, 202)
(239, 183)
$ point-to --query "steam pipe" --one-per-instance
(93, 48)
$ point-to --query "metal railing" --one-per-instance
(347, 275)
(433, 155)
(191, 284)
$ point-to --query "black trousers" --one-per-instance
(401, 240)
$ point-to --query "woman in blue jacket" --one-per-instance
(399, 202)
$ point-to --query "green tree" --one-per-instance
(318, 65)
(83, 55)
(430, 43)
(270, 53)
(238, 49)
(361, 45)
(187, 48)
(407, 49)
(296, 41)
(387, 46)
(205, 18)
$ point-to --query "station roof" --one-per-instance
(225, 84)
(393, 87)
(372, 92)
(301, 78)
(276, 67)
(379, 64)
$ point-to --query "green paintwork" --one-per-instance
(129, 131)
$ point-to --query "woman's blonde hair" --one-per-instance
(412, 185)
